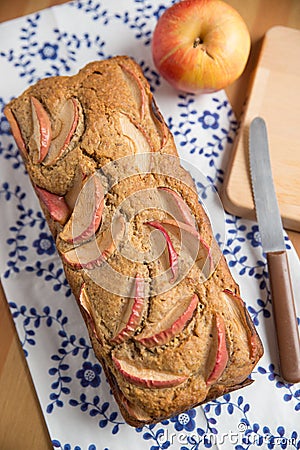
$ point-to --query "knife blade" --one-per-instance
(271, 233)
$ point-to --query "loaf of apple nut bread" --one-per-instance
(164, 315)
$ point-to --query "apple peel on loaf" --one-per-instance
(164, 314)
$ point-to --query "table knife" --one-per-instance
(272, 239)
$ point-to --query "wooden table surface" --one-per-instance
(22, 426)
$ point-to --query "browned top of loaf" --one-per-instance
(117, 118)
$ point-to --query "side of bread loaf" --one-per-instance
(163, 312)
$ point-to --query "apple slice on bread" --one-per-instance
(139, 141)
(205, 259)
(177, 228)
(136, 87)
(54, 204)
(146, 377)
(65, 127)
(134, 410)
(139, 94)
(245, 326)
(132, 315)
(16, 132)
(196, 246)
(174, 204)
(173, 256)
(92, 253)
(185, 221)
(173, 323)
(87, 214)
(158, 121)
(78, 182)
(221, 358)
(84, 302)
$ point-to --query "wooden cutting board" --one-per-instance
(275, 96)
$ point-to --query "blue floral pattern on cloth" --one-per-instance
(209, 120)
(48, 51)
(185, 421)
(89, 375)
(44, 244)
(70, 382)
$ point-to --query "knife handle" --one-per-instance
(285, 316)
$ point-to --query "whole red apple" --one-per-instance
(200, 45)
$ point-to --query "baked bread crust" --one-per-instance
(169, 328)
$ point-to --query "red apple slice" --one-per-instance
(16, 132)
(78, 183)
(92, 253)
(133, 410)
(158, 121)
(146, 377)
(177, 225)
(86, 217)
(172, 324)
(67, 123)
(201, 253)
(86, 306)
(41, 130)
(55, 204)
(173, 257)
(205, 259)
(222, 353)
(176, 206)
(136, 87)
(133, 313)
(238, 307)
(139, 141)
